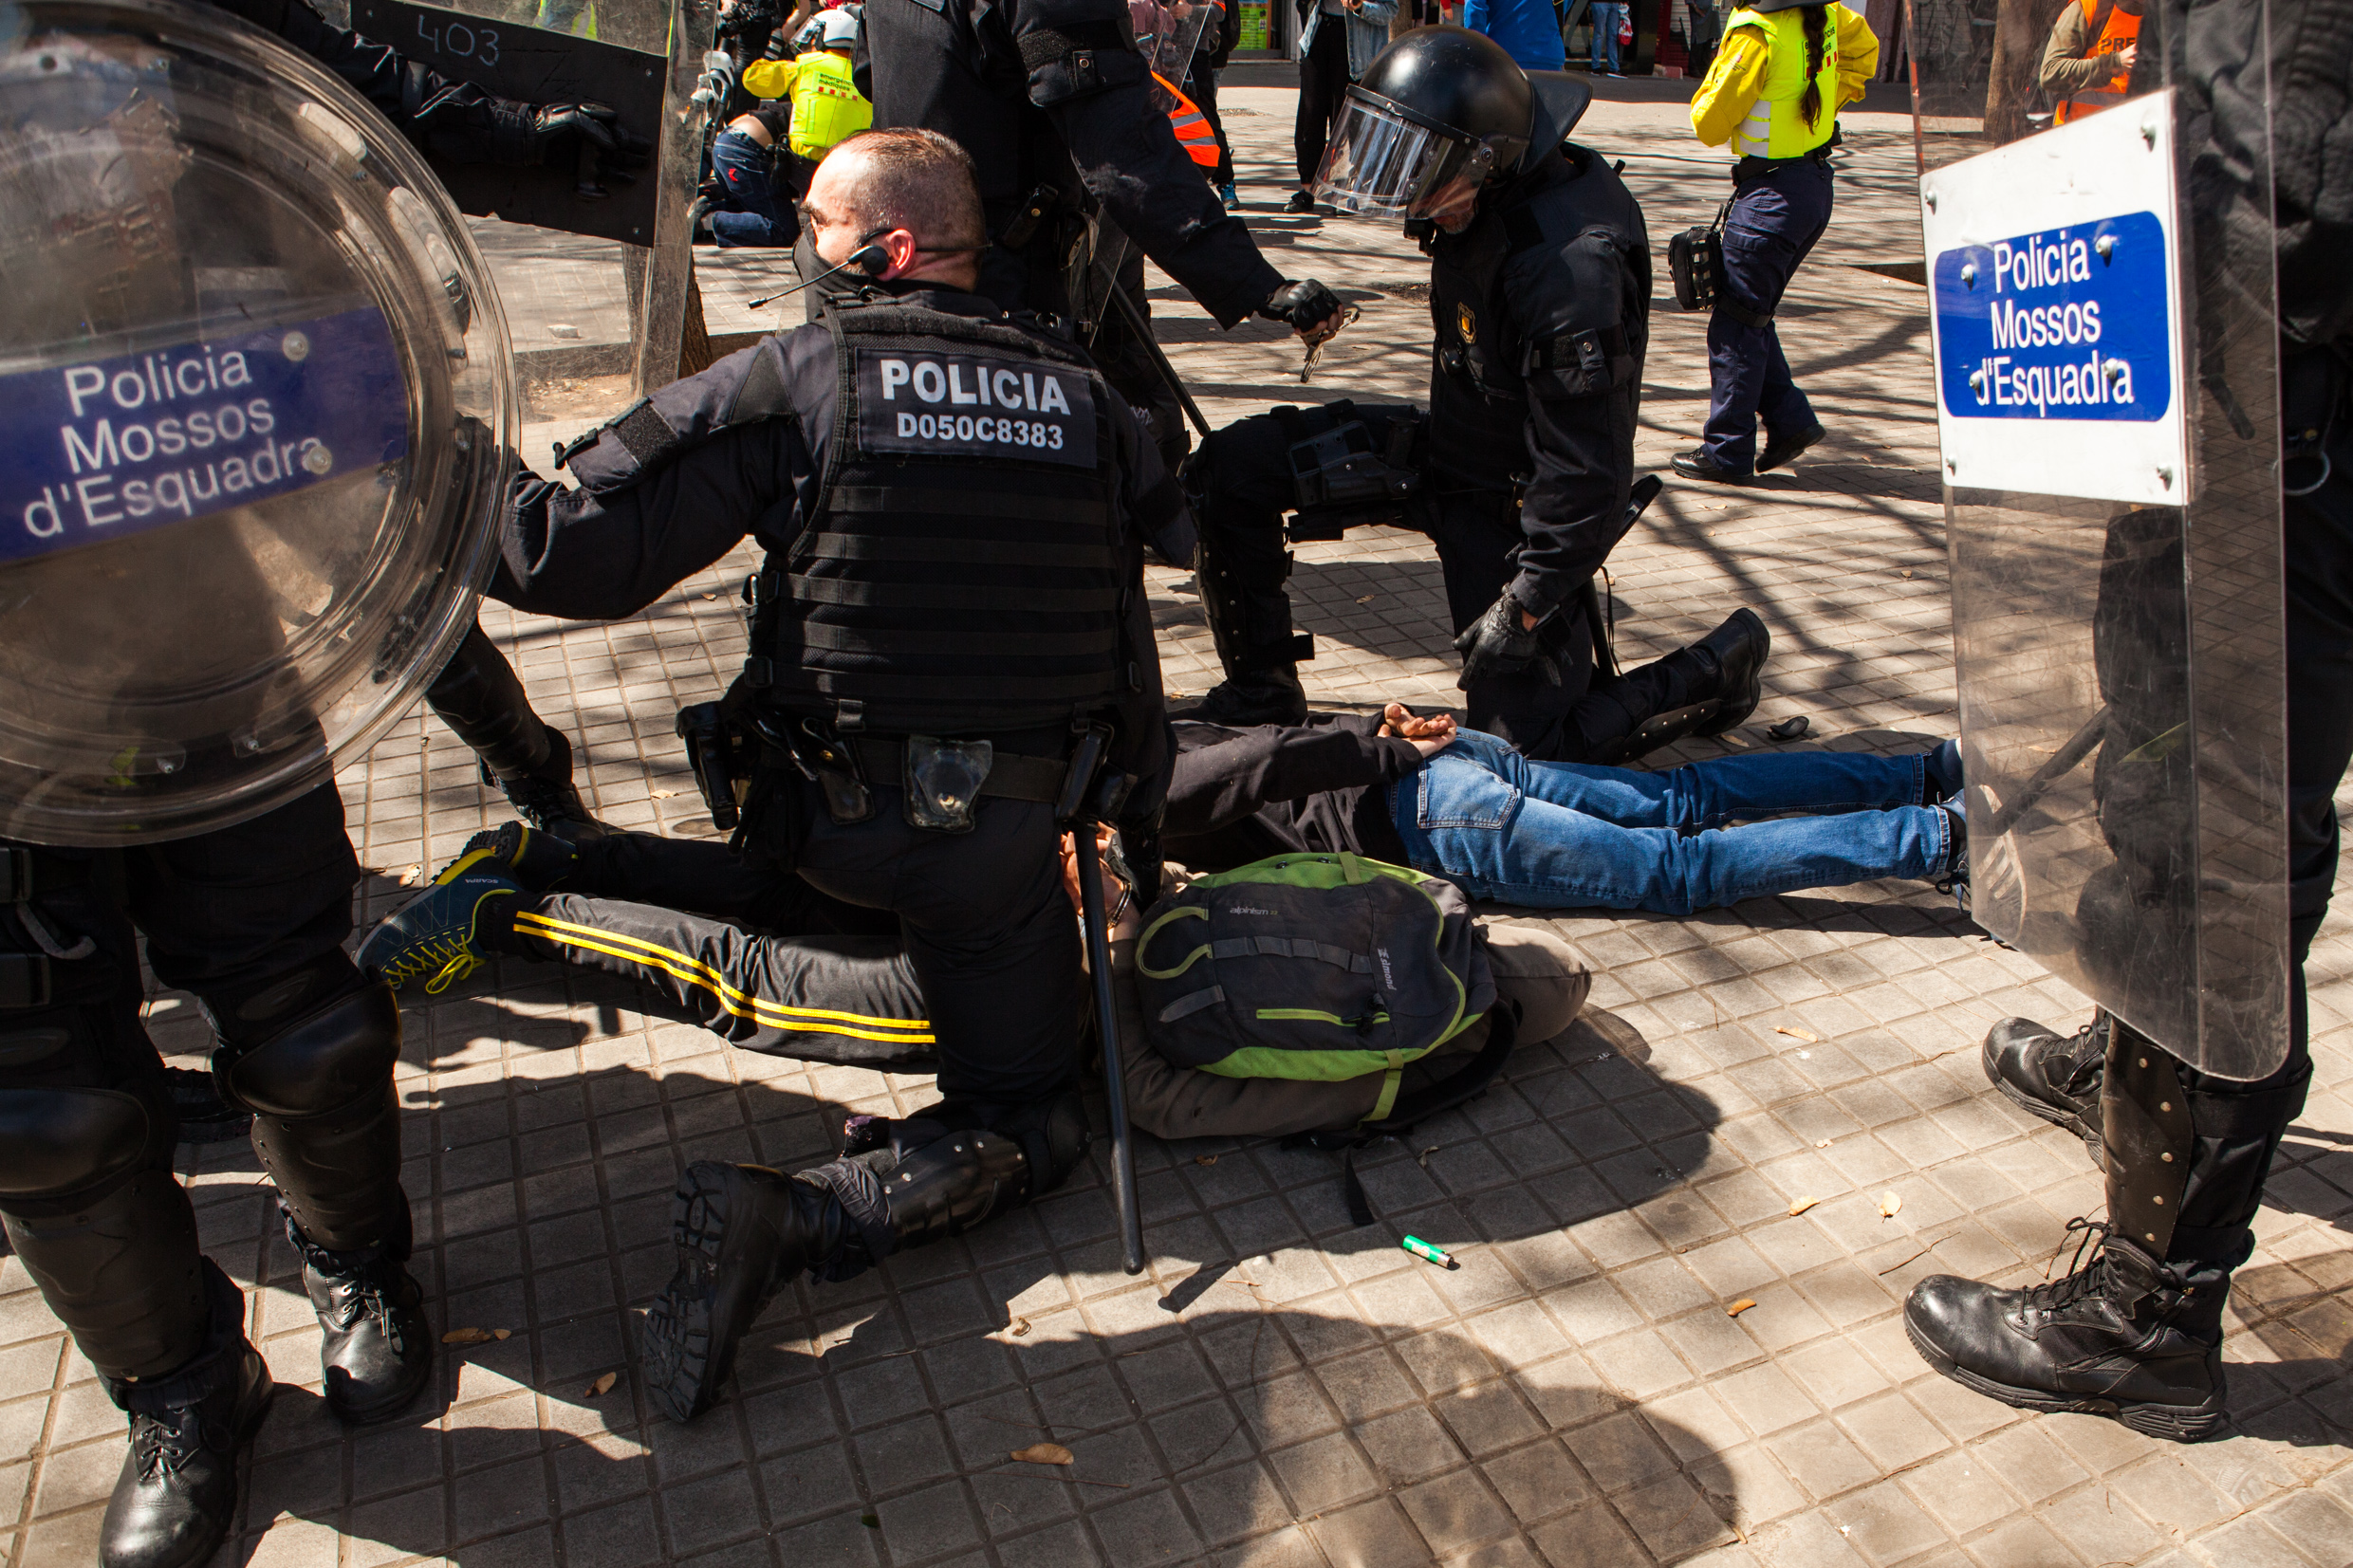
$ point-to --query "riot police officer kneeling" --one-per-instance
(1540, 292)
(954, 504)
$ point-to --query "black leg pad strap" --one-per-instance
(951, 1183)
(2144, 1123)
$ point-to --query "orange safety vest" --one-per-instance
(2117, 30)
(1191, 125)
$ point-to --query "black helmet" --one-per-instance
(1439, 105)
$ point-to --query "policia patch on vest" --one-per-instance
(974, 405)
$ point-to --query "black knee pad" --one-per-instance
(73, 1143)
(320, 1061)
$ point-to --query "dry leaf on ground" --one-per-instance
(1801, 1205)
(1890, 1204)
(1021, 1326)
(1821, 1143)
(502, 1333)
(1738, 1307)
(468, 1336)
(1806, 1035)
(411, 876)
(603, 1385)
(1205, 1160)
(663, 794)
(1368, 599)
(1042, 1453)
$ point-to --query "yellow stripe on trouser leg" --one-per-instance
(760, 1010)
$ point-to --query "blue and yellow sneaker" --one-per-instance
(439, 933)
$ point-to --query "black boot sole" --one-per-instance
(691, 1331)
(1735, 709)
(2173, 1423)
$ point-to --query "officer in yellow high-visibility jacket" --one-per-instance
(1774, 94)
(826, 104)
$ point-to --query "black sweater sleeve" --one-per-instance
(1224, 776)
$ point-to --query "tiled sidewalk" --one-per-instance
(1283, 1388)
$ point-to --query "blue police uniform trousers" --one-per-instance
(1774, 221)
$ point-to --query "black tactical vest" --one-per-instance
(965, 570)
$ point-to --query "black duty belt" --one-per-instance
(1011, 776)
(1756, 168)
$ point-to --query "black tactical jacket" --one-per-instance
(1541, 309)
(1053, 93)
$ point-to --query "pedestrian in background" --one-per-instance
(1337, 39)
(1530, 31)
(1774, 94)
(1217, 47)
(1608, 16)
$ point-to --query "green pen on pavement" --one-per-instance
(1427, 1253)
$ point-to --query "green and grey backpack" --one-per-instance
(1317, 966)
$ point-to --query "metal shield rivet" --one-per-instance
(2105, 246)
(2166, 1105)
(295, 346)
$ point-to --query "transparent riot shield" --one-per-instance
(255, 410)
(597, 275)
(2099, 251)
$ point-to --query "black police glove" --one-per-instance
(1498, 644)
(1303, 306)
(589, 134)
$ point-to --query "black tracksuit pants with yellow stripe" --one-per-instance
(755, 955)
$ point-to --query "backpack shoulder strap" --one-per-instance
(1465, 1083)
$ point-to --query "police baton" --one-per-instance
(1076, 814)
(1141, 324)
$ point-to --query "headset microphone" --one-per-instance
(865, 260)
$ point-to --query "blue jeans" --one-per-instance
(1606, 17)
(745, 167)
(1774, 221)
(1569, 835)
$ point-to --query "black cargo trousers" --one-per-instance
(252, 919)
(1241, 484)
(988, 932)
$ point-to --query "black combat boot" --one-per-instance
(545, 796)
(180, 1487)
(744, 1232)
(375, 1346)
(2124, 1336)
(1721, 678)
(1250, 620)
(2055, 1078)
(1268, 695)
(479, 696)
